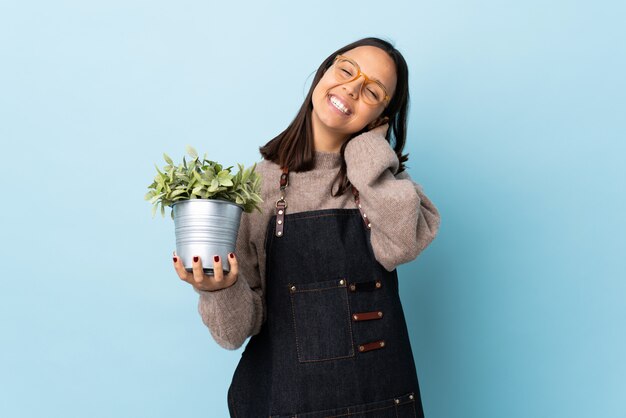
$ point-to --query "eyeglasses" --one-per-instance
(372, 91)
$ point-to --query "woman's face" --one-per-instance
(356, 114)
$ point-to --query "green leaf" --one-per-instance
(224, 178)
(192, 152)
(214, 185)
(181, 177)
(156, 198)
(207, 178)
(177, 193)
(168, 159)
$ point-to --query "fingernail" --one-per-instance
(195, 259)
(216, 258)
(231, 255)
(175, 259)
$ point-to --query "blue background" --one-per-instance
(516, 133)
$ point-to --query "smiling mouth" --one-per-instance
(339, 105)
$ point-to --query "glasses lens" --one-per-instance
(346, 71)
(373, 93)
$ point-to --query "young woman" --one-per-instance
(313, 280)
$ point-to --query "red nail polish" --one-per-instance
(175, 259)
(216, 258)
(195, 259)
(231, 255)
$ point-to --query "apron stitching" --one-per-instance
(349, 322)
(347, 414)
(295, 331)
(293, 314)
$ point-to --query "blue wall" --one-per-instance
(516, 133)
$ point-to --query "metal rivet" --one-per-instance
(369, 225)
(411, 397)
(353, 287)
(280, 212)
(382, 343)
(361, 348)
(359, 206)
(279, 233)
(280, 222)
(364, 215)
(293, 288)
(378, 284)
(397, 401)
(356, 317)
(380, 314)
(341, 282)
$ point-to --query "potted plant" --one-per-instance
(206, 202)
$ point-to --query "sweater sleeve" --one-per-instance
(238, 311)
(404, 220)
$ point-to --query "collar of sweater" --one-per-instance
(326, 160)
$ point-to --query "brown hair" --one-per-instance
(293, 148)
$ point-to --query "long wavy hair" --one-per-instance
(294, 148)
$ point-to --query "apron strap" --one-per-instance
(357, 200)
(281, 204)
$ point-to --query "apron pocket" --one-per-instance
(321, 320)
(399, 407)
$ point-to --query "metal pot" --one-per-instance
(206, 227)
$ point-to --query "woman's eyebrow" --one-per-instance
(372, 78)
(364, 72)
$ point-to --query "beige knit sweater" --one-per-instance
(404, 221)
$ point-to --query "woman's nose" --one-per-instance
(353, 88)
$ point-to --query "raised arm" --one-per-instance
(404, 221)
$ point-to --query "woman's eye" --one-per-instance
(373, 94)
(347, 72)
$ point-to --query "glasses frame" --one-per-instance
(360, 73)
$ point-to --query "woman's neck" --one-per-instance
(325, 140)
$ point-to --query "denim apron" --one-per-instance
(335, 342)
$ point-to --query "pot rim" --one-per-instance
(217, 200)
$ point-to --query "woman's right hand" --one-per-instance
(202, 281)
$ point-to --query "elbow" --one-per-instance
(396, 253)
(232, 337)
(427, 230)
(228, 343)
(407, 247)
(427, 234)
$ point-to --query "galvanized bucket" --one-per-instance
(206, 227)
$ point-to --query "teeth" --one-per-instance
(338, 104)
